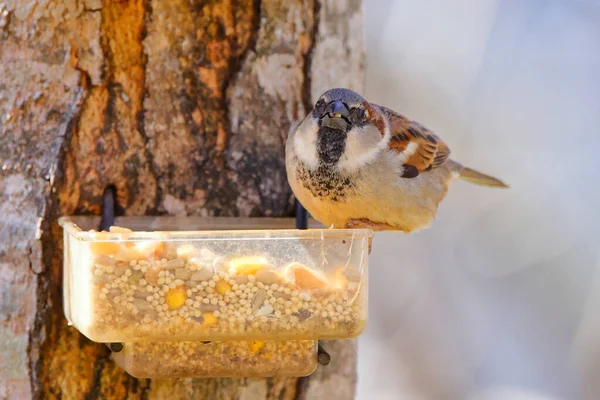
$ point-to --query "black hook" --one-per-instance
(323, 357)
(301, 216)
(109, 208)
(115, 347)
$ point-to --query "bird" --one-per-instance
(355, 164)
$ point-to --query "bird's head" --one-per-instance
(342, 131)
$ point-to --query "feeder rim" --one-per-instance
(69, 225)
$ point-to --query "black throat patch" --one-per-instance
(331, 144)
(325, 182)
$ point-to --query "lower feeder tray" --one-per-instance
(255, 358)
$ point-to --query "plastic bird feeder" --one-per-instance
(208, 297)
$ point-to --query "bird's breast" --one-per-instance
(325, 183)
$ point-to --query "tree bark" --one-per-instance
(185, 107)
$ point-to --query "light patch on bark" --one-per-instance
(338, 56)
(173, 205)
(255, 389)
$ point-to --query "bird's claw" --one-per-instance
(365, 224)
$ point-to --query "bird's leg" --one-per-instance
(364, 223)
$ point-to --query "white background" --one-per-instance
(500, 299)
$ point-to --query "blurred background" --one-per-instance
(500, 298)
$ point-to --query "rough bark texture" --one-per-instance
(184, 105)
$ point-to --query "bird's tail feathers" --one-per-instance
(478, 178)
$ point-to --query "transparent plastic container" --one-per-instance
(163, 284)
(218, 359)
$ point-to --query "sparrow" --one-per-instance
(355, 164)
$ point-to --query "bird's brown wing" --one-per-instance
(424, 150)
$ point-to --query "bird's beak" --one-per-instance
(336, 116)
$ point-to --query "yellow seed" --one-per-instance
(248, 265)
(176, 298)
(222, 286)
(209, 319)
(305, 277)
(103, 248)
(256, 345)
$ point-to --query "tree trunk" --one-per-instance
(185, 107)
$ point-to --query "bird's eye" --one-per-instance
(320, 103)
(358, 115)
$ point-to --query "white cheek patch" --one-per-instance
(363, 146)
(305, 142)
